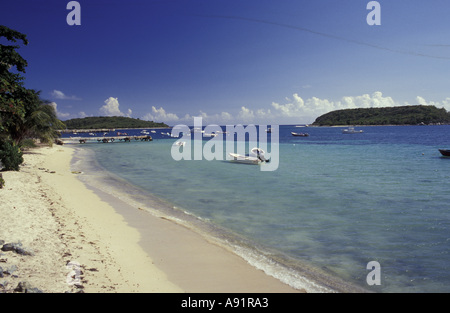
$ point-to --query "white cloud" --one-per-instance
(376, 100)
(308, 110)
(249, 116)
(246, 114)
(160, 115)
(60, 115)
(111, 108)
(226, 117)
(57, 94)
(443, 104)
(218, 118)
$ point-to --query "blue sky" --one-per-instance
(233, 61)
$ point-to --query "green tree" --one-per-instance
(10, 156)
(22, 113)
(11, 84)
(42, 123)
(11, 104)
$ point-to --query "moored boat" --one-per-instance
(351, 130)
(300, 134)
(445, 152)
(256, 158)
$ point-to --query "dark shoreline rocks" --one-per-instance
(8, 272)
(9, 279)
(25, 287)
(15, 247)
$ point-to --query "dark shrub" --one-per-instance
(10, 156)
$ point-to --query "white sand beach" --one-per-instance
(79, 240)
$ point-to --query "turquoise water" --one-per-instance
(335, 203)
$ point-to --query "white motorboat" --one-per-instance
(256, 157)
(300, 134)
(351, 130)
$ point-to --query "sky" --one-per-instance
(233, 61)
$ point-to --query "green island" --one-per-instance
(401, 115)
(110, 122)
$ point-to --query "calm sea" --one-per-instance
(335, 203)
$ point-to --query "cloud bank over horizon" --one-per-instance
(293, 110)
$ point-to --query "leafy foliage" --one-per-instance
(23, 114)
(11, 106)
(106, 122)
(402, 115)
(42, 123)
(10, 156)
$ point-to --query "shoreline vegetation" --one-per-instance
(111, 122)
(395, 116)
(24, 116)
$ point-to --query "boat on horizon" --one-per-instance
(300, 134)
(351, 130)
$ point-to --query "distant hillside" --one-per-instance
(99, 122)
(402, 115)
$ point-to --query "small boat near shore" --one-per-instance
(300, 134)
(256, 157)
(445, 152)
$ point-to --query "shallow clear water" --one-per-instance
(336, 202)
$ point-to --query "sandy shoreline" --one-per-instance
(85, 240)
